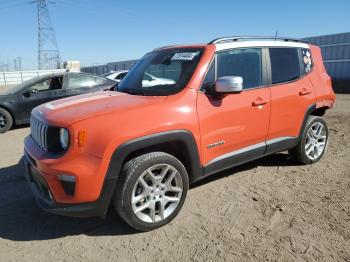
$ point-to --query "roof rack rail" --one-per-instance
(248, 38)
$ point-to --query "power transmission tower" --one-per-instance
(48, 54)
(4, 67)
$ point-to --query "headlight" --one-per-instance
(64, 138)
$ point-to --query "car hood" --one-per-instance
(67, 111)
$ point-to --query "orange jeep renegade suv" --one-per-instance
(181, 114)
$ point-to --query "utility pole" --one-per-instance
(17, 63)
(48, 53)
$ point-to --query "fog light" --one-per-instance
(68, 184)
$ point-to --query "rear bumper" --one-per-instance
(47, 202)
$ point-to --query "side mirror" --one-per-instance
(28, 93)
(229, 84)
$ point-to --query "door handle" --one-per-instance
(304, 92)
(259, 102)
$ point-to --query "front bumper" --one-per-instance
(47, 202)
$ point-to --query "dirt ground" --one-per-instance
(270, 209)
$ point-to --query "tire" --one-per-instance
(6, 121)
(313, 142)
(148, 183)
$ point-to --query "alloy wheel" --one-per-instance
(3, 121)
(157, 193)
(316, 139)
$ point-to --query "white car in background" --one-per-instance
(147, 81)
(116, 75)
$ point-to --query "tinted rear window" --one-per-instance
(285, 64)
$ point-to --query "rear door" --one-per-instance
(234, 127)
(291, 95)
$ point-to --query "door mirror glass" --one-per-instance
(229, 84)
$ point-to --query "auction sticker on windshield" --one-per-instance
(187, 56)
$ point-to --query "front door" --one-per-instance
(39, 93)
(234, 127)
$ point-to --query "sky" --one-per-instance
(101, 31)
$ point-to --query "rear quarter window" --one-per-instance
(307, 62)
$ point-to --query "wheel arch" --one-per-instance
(312, 110)
(320, 111)
(179, 143)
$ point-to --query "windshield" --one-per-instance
(162, 72)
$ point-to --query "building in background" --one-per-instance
(335, 51)
(114, 66)
(336, 57)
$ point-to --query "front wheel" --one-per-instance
(313, 142)
(151, 190)
(6, 120)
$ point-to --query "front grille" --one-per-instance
(46, 137)
(39, 133)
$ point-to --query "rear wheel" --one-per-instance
(313, 141)
(6, 120)
(151, 191)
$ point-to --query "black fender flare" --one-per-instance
(308, 112)
(121, 153)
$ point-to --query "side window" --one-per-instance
(48, 84)
(120, 76)
(81, 80)
(41, 86)
(285, 64)
(306, 60)
(246, 63)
